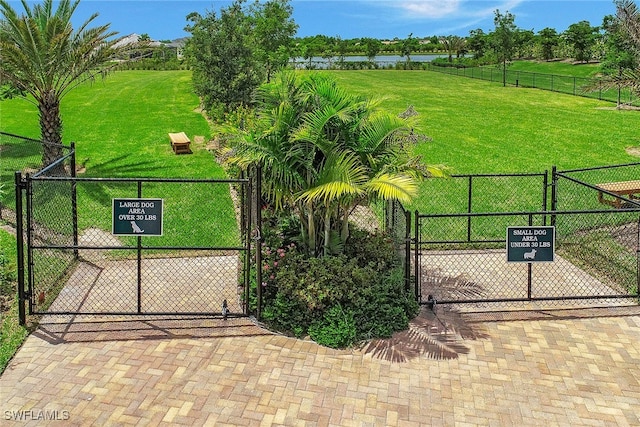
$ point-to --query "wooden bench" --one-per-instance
(180, 143)
(627, 189)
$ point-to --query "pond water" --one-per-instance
(381, 60)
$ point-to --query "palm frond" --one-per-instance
(341, 175)
(627, 78)
(629, 15)
(393, 186)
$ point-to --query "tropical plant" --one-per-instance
(323, 152)
(453, 44)
(44, 57)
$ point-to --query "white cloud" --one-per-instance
(458, 9)
(431, 9)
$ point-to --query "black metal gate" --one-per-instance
(461, 256)
(596, 258)
(77, 264)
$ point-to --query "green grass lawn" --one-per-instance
(120, 127)
(482, 127)
(563, 68)
(11, 333)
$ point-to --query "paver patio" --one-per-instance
(562, 367)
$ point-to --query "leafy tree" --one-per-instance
(45, 58)
(624, 46)
(503, 40)
(232, 54)
(225, 68)
(477, 43)
(549, 39)
(342, 48)
(274, 29)
(371, 47)
(325, 151)
(312, 46)
(329, 50)
(621, 53)
(408, 46)
(524, 43)
(582, 36)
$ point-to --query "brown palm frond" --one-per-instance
(629, 15)
(627, 78)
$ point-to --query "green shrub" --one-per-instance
(336, 329)
(375, 249)
(386, 307)
(337, 300)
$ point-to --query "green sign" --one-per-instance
(530, 244)
(137, 217)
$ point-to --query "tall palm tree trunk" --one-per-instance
(51, 130)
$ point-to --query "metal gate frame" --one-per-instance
(528, 272)
(249, 191)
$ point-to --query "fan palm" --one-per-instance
(42, 56)
(325, 151)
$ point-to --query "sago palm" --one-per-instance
(42, 58)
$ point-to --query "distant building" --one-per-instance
(178, 45)
(135, 40)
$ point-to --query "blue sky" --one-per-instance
(383, 19)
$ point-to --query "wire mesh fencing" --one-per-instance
(607, 187)
(25, 155)
(572, 85)
(196, 264)
(595, 260)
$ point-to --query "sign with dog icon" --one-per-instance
(137, 217)
(530, 244)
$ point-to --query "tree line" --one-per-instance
(232, 52)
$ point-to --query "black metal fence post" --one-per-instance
(139, 258)
(416, 264)
(407, 250)
(19, 185)
(638, 261)
(245, 219)
(258, 225)
(469, 207)
(554, 193)
(74, 200)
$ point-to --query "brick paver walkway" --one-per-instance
(572, 368)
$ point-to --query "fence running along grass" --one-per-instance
(571, 85)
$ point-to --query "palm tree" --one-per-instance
(323, 152)
(42, 56)
(453, 44)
